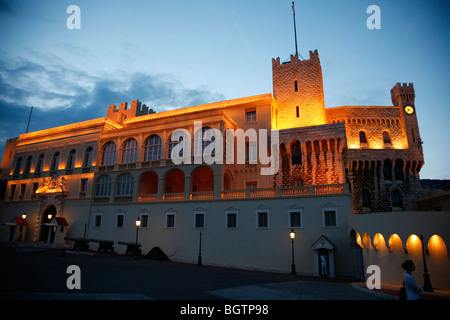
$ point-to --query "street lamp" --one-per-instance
(24, 216)
(138, 224)
(292, 235)
(426, 277)
(199, 261)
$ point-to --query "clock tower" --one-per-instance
(403, 97)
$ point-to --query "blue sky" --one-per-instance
(172, 54)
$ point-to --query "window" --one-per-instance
(199, 220)
(28, 165)
(296, 87)
(396, 198)
(365, 198)
(203, 138)
(83, 185)
(144, 220)
(251, 153)
(88, 157)
(251, 185)
(362, 137)
(55, 162)
(71, 159)
(170, 220)
(386, 137)
(295, 218)
(398, 169)
(329, 217)
(12, 192)
(18, 166)
(40, 164)
(297, 110)
(23, 188)
(103, 186)
(172, 145)
(120, 219)
(232, 220)
(125, 185)
(262, 219)
(109, 153)
(152, 148)
(387, 169)
(98, 220)
(296, 153)
(35, 187)
(250, 115)
(129, 152)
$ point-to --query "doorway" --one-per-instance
(46, 233)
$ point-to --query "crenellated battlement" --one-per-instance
(402, 93)
(136, 109)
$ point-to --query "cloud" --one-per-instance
(61, 94)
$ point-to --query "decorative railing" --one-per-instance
(281, 192)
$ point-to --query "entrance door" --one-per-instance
(324, 265)
(45, 229)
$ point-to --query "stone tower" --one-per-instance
(403, 97)
(298, 90)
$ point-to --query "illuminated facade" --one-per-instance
(100, 175)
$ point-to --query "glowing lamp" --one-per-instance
(138, 222)
(292, 234)
(24, 216)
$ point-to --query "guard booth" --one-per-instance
(323, 257)
(57, 229)
(17, 228)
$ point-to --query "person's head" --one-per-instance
(408, 266)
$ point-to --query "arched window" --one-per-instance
(396, 198)
(88, 155)
(152, 148)
(387, 169)
(296, 153)
(71, 159)
(40, 164)
(365, 198)
(362, 137)
(18, 165)
(103, 187)
(203, 138)
(398, 169)
(129, 151)
(172, 144)
(28, 165)
(386, 137)
(55, 162)
(125, 185)
(109, 153)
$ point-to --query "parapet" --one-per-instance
(313, 55)
(402, 92)
(136, 109)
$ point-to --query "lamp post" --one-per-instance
(199, 261)
(426, 277)
(24, 216)
(292, 235)
(138, 224)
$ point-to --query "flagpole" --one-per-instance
(295, 29)
(29, 118)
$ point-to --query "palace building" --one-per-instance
(94, 179)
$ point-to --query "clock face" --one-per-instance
(409, 109)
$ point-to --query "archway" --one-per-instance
(174, 181)
(202, 179)
(148, 183)
(46, 234)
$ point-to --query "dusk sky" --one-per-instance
(174, 54)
